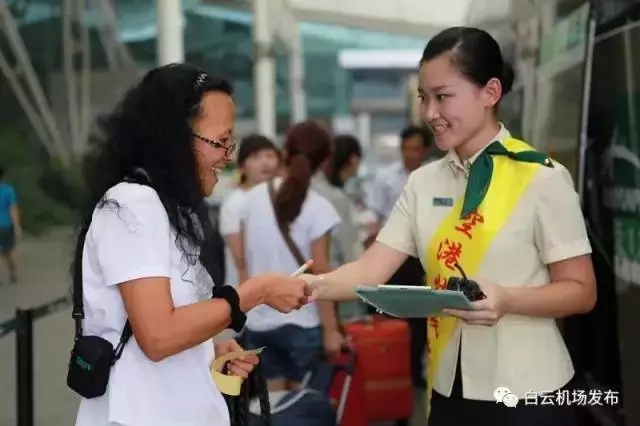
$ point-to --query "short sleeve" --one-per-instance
(397, 232)
(133, 239)
(11, 196)
(324, 216)
(231, 213)
(559, 230)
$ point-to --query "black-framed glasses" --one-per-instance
(228, 149)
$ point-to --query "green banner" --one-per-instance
(624, 196)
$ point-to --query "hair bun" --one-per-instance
(507, 77)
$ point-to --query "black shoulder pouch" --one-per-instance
(91, 356)
(90, 366)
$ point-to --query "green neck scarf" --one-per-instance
(482, 169)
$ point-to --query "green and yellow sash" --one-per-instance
(465, 239)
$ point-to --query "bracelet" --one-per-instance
(228, 293)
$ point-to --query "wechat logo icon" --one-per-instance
(503, 395)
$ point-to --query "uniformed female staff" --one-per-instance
(511, 219)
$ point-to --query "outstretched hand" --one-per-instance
(285, 293)
(315, 283)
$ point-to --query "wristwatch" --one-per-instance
(228, 293)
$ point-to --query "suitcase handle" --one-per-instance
(349, 366)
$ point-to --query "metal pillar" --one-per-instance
(288, 31)
(586, 103)
(170, 47)
(296, 65)
(547, 12)
(77, 54)
(264, 69)
(630, 89)
(24, 370)
(37, 109)
(528, 41)
(118, 55)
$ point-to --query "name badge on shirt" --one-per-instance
(443, 201)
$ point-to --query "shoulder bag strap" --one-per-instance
(78, 294)
(284, 228)
(78, 304)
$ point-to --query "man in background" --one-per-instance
(389, 182)
(386, 189)
(10, 229)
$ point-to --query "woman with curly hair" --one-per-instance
(146, 260)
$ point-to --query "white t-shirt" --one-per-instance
(124, 243)
(230, 223)
(266, 250)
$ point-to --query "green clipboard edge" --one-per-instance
(412, 302)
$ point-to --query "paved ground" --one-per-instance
(45, 276)
(45, 266)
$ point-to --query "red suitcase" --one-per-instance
(383, 368)
(347, 390)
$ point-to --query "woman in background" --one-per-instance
(10, 229)
(286, 206)
(258, 160)
(346, 245)
(345, 160)
(329, 182)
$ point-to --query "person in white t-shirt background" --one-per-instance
(346, 244)
(258, 160)
(294, 340)
(145, 255)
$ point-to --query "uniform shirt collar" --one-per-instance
(463, 166)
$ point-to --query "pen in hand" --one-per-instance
(301, 270)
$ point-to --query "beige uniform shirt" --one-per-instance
(522, 353)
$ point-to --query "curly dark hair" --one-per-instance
(150, 129)
(148, 139)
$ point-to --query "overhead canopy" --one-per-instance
(218, 37)
(418, 18)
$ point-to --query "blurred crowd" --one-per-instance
(328, 226)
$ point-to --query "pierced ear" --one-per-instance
(492, 92)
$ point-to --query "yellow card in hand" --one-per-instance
(227, 384)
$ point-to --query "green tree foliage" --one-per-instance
(48, 195)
